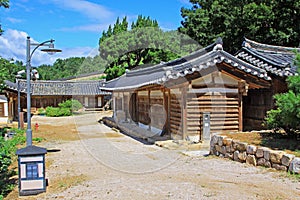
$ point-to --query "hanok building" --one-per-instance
(51, 93)
(278, 62)
(172, 97)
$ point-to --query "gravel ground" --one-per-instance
(115, 166)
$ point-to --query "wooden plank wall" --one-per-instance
(175, 116)
(143, 109)
(151, 108)
(224, 111)
(256, 105)
(158, 116)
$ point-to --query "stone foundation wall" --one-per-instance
(258, 156)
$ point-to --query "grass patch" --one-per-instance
(292, 176)
(276, 141)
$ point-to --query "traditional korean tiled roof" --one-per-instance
(50, 88)
(276, 60)
(196, 61)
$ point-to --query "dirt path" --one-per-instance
(103, 164)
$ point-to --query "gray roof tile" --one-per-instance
(49, 88)
(276, 60)
(197, 61)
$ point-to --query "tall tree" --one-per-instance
(266, 21)
(8, 70)
(5, 4)
(74, 66)
(143, 43)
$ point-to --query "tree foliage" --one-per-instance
(144, 43)
(74, 66)
(5, 4)
(270, 22)
(8, 70)
(287, 113)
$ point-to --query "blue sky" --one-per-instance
(76, 25)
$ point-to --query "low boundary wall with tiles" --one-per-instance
(258, 156)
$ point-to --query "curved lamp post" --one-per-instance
(50, 50)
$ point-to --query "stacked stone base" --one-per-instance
(258, 156)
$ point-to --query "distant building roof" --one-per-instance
(196, 61)
(49, 88)
(276, 60)
(83, 76)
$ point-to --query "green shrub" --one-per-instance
(65, 108)
(64, 112)
(41, 111)
(287, 113)
(73, 105)
(7, 155)
(52, 111)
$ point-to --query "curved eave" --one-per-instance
(194, 65)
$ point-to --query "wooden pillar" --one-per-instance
(137, 107)
(114, 105)
(166, 105)
(184, 112)
(243, 90)
(125, 105)
(149, 108)
(240, 112)
(10, 108)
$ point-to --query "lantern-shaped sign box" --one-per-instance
(31, 163)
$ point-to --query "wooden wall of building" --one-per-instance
(223, 109)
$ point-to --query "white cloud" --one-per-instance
(13, 45)
(91, 28)
(89, 9)
(187, 2)
(13, 20)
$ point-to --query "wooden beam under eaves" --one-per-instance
(240, 74)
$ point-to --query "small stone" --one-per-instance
(267, 154)
(251, 149)
(214, 140)
(220, 140)
(260, 152)
(219, 148)
(212, 150)
(279, 167)
(241, 146)
(287, 159)
(275, 156)
(236, 156)
(223, 148)
(227, 142)
(251, 160)
(295, 165)
(229, 155)
(229, 149)
(242, 156)
(263, 162)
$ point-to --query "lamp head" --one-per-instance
(51, 50)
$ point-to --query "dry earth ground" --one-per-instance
(95, 162)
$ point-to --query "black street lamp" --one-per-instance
(50, 50)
